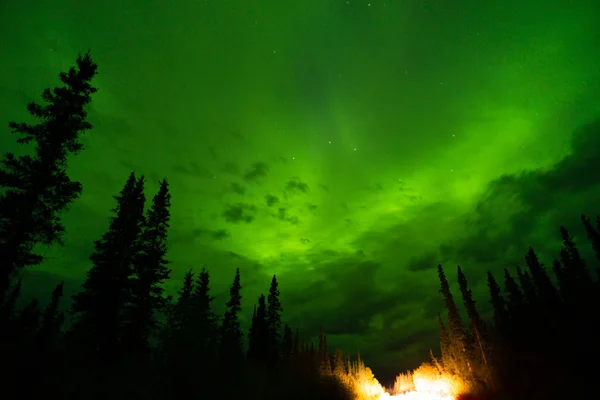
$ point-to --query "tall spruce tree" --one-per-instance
(479, 334)
(593, 234)
(274, 310)
(548, 294)
(230, 345)
(150, 271)
(99, 308)
(529, 290)
(455, 324)
(35, 187)
(444, 340)
(258, 335)
(498, 303)
(575, 268)
(515, 304)
(205, 320)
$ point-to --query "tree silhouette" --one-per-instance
(99, 308)
(230, 345)
(36, 188)
(150, 271)
(274, 311)
(258, 335)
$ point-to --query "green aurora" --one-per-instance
(346, 146)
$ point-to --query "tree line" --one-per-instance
(542, 341)
(126, 338)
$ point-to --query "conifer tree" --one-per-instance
(274, 310)
(515, 304)
(528, 288)
(176, 334)
(592, 234)
(444, 340)
(258, 336)
(455, 325)
(230, 346)
(324, 360)
(99, 307)
(546, 290)
(339, 365)
(478, 338)
(205, 320)
(498, 302)
(150, 271)
(575, 268)
(468, 301)
(35, 187)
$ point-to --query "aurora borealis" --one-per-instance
(346, 146)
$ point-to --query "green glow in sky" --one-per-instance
(347, 146)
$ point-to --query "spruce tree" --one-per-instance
(150, 271)
(592, 234)
(339, 366)
(455, 324)
(515, 304)
(205, 320)
(258, 335)
(444, 341)
(99, 308)
(498, 302)
(177, 333)
(35, 187)
(274, 310)
(575, 268)
(230, 345)
(547, 292)
(528, 289)
(468, 301)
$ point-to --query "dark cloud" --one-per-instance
(282, 214)
(351, 284)
(424, 262)
(197, 233)
(295, 185)
(239, 212)
(271, 200)
(257, 171)
(237, 188)
(505, 218)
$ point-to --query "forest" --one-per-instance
(124, 338)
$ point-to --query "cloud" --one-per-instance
(257, 171)
(237, 188)
(239, 212)
(295, 185)
(271, 200)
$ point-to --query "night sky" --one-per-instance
(346, 146)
